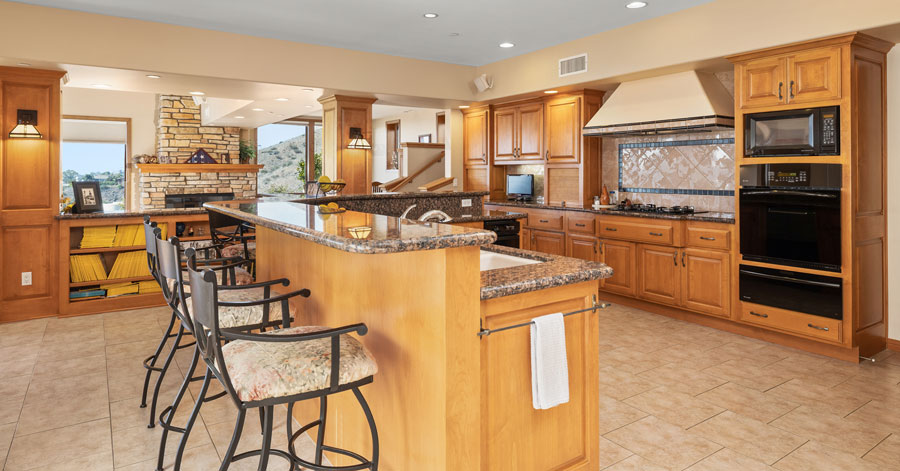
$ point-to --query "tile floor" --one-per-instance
(674, 396)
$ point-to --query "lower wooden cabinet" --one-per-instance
(583, 247)
(622, 257)
(660, 279)
(553, 243)
(525, 239)
(705, 281)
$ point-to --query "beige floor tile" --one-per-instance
(662, 443)
(9, 409)
(748, 437)
(682, 379)
(867, 387)
(21, 352)
(747, 375)
(615, 414)
(832, 430)
(138, 444)
(50, 370)
(98, 462)
(748, 402)
(629, 360)
(63, 388)
(6, 435)
(201, 458)
(621, 385)
(635, 463)
(886, 454)
(52, 351)
(251, 438)
(137, 350)
(674, 407)
(814, 456)
(610, 453)
(885, 414)
(14, 388)
(818, 397)
(59, 445)
(728, 460)
(40, 416)
(16, 367)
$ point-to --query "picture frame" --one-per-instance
(88, 198)
(425, 138)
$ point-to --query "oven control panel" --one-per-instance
(791, 175)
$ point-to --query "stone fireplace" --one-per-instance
(179, 133)
(157, 181)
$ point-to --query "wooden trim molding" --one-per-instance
(893, 345)
(423, 145)
(199, 168)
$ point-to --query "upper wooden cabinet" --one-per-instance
(800, 77)
(475, 137)
(519, 133)
(563, 125)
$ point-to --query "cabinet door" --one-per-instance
(660, 279)
(583, 247)
(621, 256)
(525, 239)
(475, 138)
(706, 285)
(553, 243)
(505, 135)
(814, 75)
(531, 132)
(763, 82)
(563, 130)
(475, 178)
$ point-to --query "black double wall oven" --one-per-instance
(790, 216)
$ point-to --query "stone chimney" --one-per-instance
(179, 133)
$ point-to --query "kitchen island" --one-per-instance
(445, 397)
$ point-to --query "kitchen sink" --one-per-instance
(492, 260)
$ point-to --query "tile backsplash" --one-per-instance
(682, 169)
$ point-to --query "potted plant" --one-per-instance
(247, 152)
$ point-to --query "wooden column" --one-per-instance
(339, 114)
(29, 195)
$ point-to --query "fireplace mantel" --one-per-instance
(199, 168)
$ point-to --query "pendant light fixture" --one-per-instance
(26, 120)
(357, 141)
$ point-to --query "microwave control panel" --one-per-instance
(829, 123)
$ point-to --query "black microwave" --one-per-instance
(811, 131)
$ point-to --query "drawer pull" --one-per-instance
(611, 229)
(707, 238)
(543, 221)
(764, 316)
(579, 225)
(818, 327)
(657, 234)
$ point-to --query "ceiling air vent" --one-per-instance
(573, 65)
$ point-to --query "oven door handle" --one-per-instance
(791, 280)
(790, 213)
(789, 192)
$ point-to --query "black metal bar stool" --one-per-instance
(232, 235)
(246, 308)
(262, 370)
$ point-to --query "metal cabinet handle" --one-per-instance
(482, 156)
(579, 224)
(547, 154)
(707, 238)
(611, 229)
(675, 258)
(791, 89)
(818, 327)
(759, 315)
(780, 95)
(658, 234)
(682, 258)
(601, 247)
(595, 247)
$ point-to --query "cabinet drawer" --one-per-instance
(657, 232)
(550, 220)
(821, 328)
(581, 223)
(708, 236)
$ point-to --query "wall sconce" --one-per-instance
(357, 141)
(25, 126)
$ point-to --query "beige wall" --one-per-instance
(893, 169)
(412, 124)
(140, 107)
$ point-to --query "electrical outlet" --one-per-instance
(466, 203)
(26, 278)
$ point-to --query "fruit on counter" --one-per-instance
(333, 206)
(324, 183)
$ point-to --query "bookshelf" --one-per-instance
(72, 232)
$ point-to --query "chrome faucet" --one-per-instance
(403, 216)
(435, 215)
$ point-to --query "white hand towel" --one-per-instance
(549, 369)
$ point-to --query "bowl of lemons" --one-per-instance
(331, 208)
(327, 185)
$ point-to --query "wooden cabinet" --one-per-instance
(583, 247)
(817, 327)
(475, 137)
(801, 77)
(563, 130)
(475, 179)
(660, 279)
(525, 239)
(553, 243)
(622, 257)
(705, 281)
(519, 133)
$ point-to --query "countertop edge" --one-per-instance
(701, 217)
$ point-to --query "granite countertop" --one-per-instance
(553, 272)
(491, 215)
(726, 218)
(388, 234)
(125, 214)
(384, 195)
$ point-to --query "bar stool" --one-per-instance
(262, 370)
(245, 308)
(231, 275)
(231, 234)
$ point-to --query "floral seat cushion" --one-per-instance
(237, 250)
(264, 370)
(241, 277)
(239, 316)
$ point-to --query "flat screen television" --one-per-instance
(520, 186)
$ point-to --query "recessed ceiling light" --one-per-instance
(281, 99)
(462, 107)
(24, 64)
(309, 89)
(430, 15)
(152, 76)
(198, 93)
(309, 106)
(101, 85)
(258, 109)
(453, 35)
(506, 45)
(238, 117)
(634, 5)
(551, 92)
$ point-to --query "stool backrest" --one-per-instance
(217, 221)
(151, 233)
(168, 256)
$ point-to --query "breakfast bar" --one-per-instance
(453, 390)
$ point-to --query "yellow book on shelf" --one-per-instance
(149, 287)
(140, 237)
(86, 268)
(125, 235)
(98, 237)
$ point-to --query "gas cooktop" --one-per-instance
(652, 208)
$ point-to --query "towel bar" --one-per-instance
(485, 332)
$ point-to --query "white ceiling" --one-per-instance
(466, 32)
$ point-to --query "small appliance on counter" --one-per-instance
(812, 131)
(520, 187)
(507, 231)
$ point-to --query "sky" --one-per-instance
(89, 157)
(274, 133)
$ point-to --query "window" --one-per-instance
(282, 150)
(96, 149)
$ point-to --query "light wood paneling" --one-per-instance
(563, 130)
(562, 185)
(475, 137)
(531, 132)
(505, 136)
(476, 178)
(353, 165)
